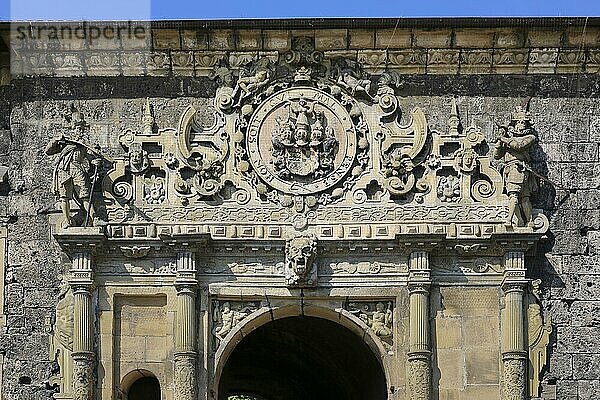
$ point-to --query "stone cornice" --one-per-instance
(464, 46)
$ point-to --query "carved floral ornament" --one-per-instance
(297, 136)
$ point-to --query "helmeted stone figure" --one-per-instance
(513, 147)
(71, 178)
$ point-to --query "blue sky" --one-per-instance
(216, 9)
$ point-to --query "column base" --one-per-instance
(514, 375)
(185, 375)
(83, 375)
(419, 380)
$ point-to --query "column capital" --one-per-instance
(186, 269)
(419, 272)
(514, 271)
(82, 274)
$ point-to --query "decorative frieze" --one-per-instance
(442, 61)
(412, 61)
(542, 61)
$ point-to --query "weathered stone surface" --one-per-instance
(586, 366)
(588, 389)
(465, 322)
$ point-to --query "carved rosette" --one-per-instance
(419, 378)
(185, 376)
(514, 376)
(83, 376)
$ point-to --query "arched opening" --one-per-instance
(140, 385)
(298, 358)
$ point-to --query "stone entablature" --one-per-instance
(405, 46)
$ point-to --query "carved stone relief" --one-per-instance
(514, 379)
(312, 151)
(299, 139)
(223, 266)
(83, 379)
(481, 265)
(61, 338)
(419, 384)
(228, 314)
(363, 268)
(300, 253)
(185, 377)
(538, 334)
(378, 316)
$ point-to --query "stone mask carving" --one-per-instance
(300, 253)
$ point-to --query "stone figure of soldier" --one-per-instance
(513, 148)
(71, 177)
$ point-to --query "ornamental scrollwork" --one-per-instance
(298, 135)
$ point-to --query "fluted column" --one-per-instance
(514, 356)
(185, 337)
(83, 354)
(419, 355)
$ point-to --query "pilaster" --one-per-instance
(419, 355)
(514, 356)
(84, 357)
(185, 357)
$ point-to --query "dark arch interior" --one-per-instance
(299, 358)
(146, 388)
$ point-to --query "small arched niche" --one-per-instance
(140, 384)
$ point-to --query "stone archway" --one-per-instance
(303, 357)
(140, 384)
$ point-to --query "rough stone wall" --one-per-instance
(566, 111)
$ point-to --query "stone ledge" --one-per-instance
(407, 61)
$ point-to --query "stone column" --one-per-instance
(84, 358)
(514, 356)
(185, 337)
(419, 355)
